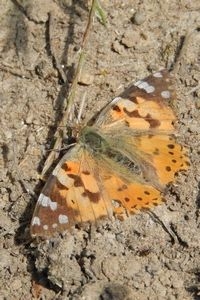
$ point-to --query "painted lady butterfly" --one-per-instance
(120, 165)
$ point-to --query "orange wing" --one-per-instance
(142, 107)
(159, 157)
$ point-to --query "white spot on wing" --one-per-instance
(45, 201)
(53, 205)
(145, 86)
(63, 219)
(138, 82)
(45, 227)
(157, 75)
(36, 221)
(54, 225)
(150, 89)
(166, 94)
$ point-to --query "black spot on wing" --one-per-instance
(152, 122)
(132, 114)
(116, 108)
(94, 197)
(86, 172)
(65, 167)
(148, 118)
(77, 180)
(170, 146)
(168, 169)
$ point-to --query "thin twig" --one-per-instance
(70, 99)
(7, 68)
(71, 96)
(81, 108)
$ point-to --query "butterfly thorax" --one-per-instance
(93, 140)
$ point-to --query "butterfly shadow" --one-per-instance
(22, 235)
(73, 12)
(198, 196)
(23, 238)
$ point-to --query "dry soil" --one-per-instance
(148, 256)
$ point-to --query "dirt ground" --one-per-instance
(148, 256)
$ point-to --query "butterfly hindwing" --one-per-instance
(73, 194)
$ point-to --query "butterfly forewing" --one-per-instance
(142, 107)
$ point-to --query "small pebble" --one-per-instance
(177, 283)
(6, 259)
(110, 267)
(16, 284)
(8, 134)
(117, 47)
(131, 38)
(138, 18)
(29, 117)
(198, 103)
(86, 79)
(133, 267)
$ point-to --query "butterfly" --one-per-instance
(121, 163)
